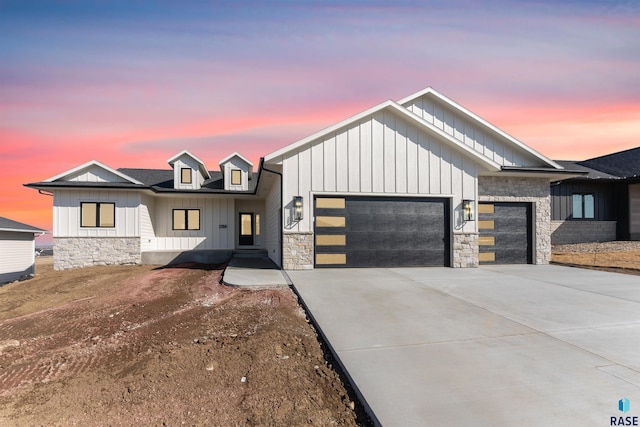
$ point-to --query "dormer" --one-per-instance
(189, 172)
(237, 171)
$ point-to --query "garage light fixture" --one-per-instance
(297, 208)
(467, 210)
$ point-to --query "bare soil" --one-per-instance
(620, 257)
(127, 345)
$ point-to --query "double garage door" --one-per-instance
(381, 232)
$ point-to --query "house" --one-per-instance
(17, 249)
(602, 205)
(418, 182)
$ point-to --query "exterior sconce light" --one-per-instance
(467, 210)
(297, 208)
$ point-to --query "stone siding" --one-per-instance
(517, 189)
(568, 232)
(465, 250)
(73, 252)
(297, 251)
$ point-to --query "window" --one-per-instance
(583, 206)
(186, 219)
(236, 177)
(97, 214)
(185, 175)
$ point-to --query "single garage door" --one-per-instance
(381, 232)
(505, 233)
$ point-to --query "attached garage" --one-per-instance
(505, 233)
(381, 232)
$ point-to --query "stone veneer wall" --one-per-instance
(465, 250)
(73, 252)
(568, 232)
(297, 251)
(516, 189)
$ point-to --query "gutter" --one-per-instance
(262, 168)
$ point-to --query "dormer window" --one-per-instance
(186, 176)
(236, 177)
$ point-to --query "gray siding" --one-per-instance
(634, 211)
(562, 203)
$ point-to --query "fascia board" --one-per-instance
(480, 121)
(88, 165)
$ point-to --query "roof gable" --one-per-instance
(93, 171)
(472, 130)
(397, 109)
(201, 166)
(238, 156)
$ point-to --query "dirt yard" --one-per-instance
(137, 345)
(622, 257)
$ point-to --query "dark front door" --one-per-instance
(246, 229)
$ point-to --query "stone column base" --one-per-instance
(297, 251)
(465, 250)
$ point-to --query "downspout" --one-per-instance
(281, 211)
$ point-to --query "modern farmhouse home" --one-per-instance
(418, 182)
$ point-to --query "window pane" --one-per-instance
(88, 214)
(245, 225)
(257, 224)
(236, 177)
(107, 215)
(577, 205)
(193, 219)
(589, 206)
(186, 176)
(179, 218)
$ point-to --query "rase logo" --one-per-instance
(623, 406)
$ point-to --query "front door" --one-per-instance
(246, 229)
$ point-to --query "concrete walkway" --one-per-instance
(255, 273)
(499, 345)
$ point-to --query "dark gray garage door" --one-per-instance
(505, 233)
(381, 232)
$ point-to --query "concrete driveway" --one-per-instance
(500, 345)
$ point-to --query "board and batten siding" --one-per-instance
(217, 224)
(381, 154)
(17, 255)
(634, 211)
(94, 174)
(147, 215)
(272, 222)
(484, 142)
(187, 162)
(66, 213)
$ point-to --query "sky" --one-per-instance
(131, 83)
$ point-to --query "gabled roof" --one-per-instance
(623, 164)
(478, 120)
(201, 165)
(161, 181)
(87, 166)
(589, 173)
(238, 155)
(7, 224)
(399, 110)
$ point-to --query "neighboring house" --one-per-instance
(17, 249)
(600, 206)
(418, 182)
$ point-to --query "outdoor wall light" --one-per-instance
(297, 208)
(467, 210)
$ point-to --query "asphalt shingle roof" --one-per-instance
(591, 173)
(624, 164)
(7, 224)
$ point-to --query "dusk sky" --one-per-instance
(132, 83)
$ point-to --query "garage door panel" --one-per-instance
(505, 233)
(388, 231)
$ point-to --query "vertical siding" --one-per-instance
(214, 212)
(16, 255)
(272, 222)
(381, 154)
(94, 174)
(562, 201)
(66, 213)
(634, 211)
(147, 232)
(458, 126)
